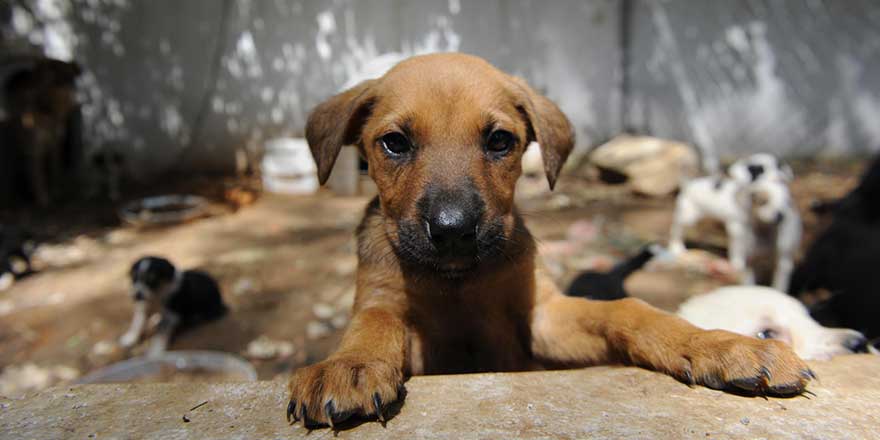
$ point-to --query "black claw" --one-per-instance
(713, 382)
(788, 389)
(689, 378)
(808, 393)
(377, 405)
(328, 412)
(809, 374)
(303, 415)
(334, 416)
(765, 372)
(747, 383)
(291, 412)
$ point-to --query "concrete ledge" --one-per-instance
(602, 402)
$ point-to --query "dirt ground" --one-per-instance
(286, 267)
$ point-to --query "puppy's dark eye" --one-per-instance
(500, 142)
(395, 144)
(767, 333)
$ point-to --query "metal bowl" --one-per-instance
(188, 364)
(163, 210)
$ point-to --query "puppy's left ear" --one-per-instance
(337, 122)
(547, 126)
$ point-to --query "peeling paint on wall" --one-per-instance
(731, 77)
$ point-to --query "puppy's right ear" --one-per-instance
(336, 122)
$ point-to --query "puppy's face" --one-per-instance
(770, 201)
(443, 136)
(151, 278)
(760, 167)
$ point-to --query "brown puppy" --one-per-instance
(447, 280)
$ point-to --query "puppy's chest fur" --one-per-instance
(479, 322)
(469, 330)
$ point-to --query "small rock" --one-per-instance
(243, 286)
(77, 251)
(7, 279)
(19, 266)
(345, 265)
(266, 348)
(119, 236)
(103, 348)
(654, 167)
(323, 311)
(243, 256)
(559, 201)
(346, 300)
(18, 380)
(339, 321)
(317, 329)
(744, 420)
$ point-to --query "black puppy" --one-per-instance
(844, 260)
(608, 286)
(184, 298)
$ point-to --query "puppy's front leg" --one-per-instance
(742, 243)
(138, 320)
(159, 342)
(575, 331)
(782, 274)
(360, 378)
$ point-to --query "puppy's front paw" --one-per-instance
(727, 361)
(331, 391)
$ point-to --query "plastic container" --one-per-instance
(288, 167)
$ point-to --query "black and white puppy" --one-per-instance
(756, 207)
(183, 299)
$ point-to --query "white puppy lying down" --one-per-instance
(766, 313)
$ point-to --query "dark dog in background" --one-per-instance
(845, 258)
(43, 125)
(183, 299)
(608, 286)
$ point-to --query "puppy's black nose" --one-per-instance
(453, 229)
(779, 217)
(856, 344)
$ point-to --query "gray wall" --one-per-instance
(793, 77)
(183, 85)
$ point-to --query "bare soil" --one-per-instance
(286, 265)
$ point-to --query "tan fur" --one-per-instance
(509, 316)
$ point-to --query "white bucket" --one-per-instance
(288, 167)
